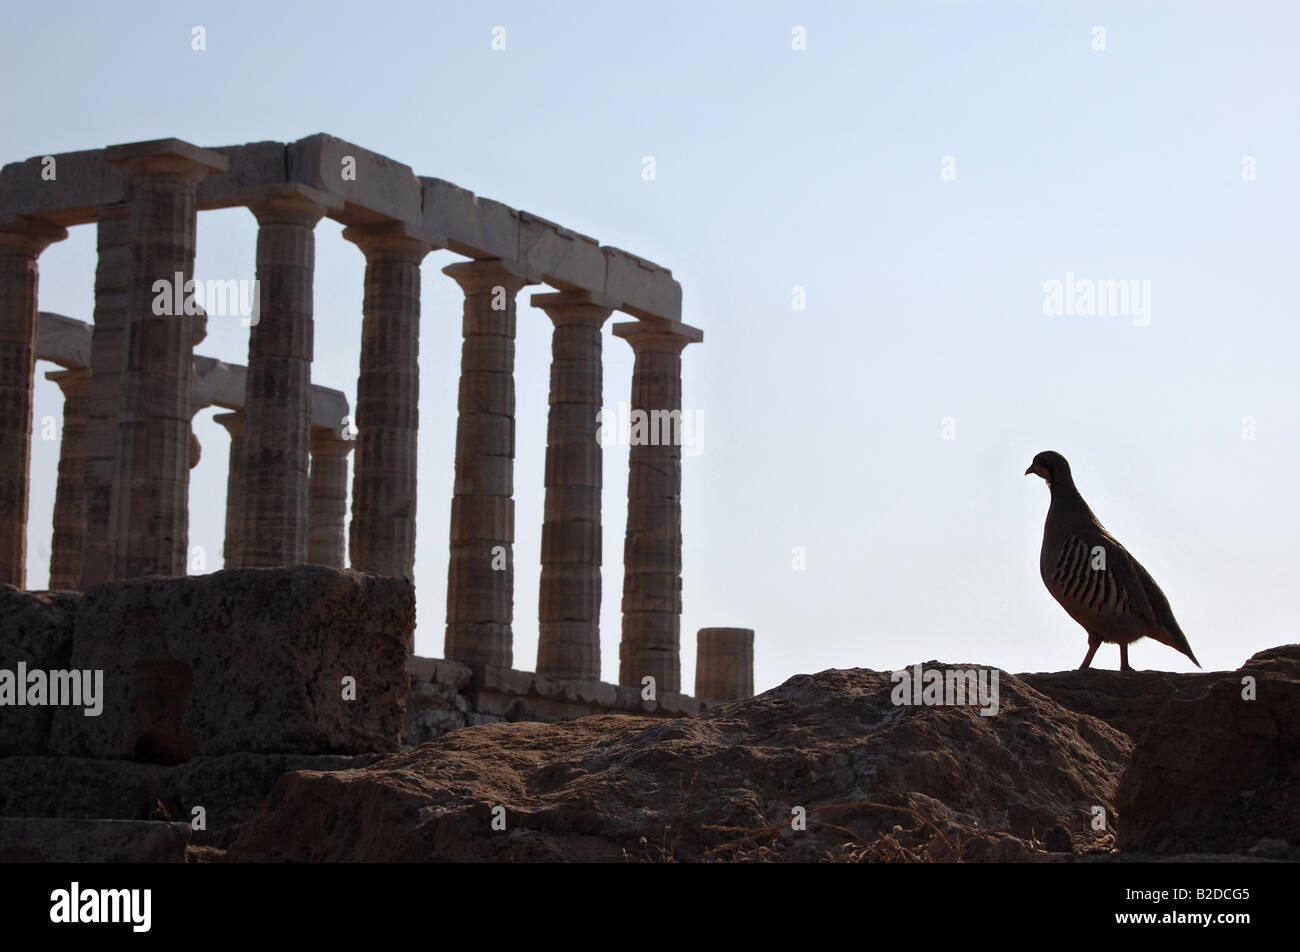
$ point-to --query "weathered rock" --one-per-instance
(229, 788)
(877, 781)
(1215, 772)
(35, 628)
(242, 660)
(43, 840)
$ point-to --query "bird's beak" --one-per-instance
(1029, 470)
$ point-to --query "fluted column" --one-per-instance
(107, 363)
(21, 243)
(232, 549)
(652, 551)
(381, 538)
(150, 512)
(569, 596)
(328, 505)
(69, 495)
(481, 570)
(277, 406)
(724, 663)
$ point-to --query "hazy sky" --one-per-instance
(822, 169)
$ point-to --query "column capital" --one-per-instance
(658, 336)
(232, 421)
(572, 307)
(167, 158)
(30, 236)
(74, 382)
(480, 276)
(326, 442)
(391, 238)
(291, 203)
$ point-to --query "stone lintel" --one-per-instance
(62, 340)
(559, 256)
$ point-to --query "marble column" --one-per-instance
(328, 502)
(724, 663)
(277, 407)
(107, 364)
(69, 495)
(652, 551)
(569, 596)
(150, 511)
(232, 549)
(481, 571)
(381, 538)
(21, 244)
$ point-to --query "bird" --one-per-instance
(1098, 583)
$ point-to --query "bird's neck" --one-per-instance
(1067, 501)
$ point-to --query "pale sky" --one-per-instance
(822, 169)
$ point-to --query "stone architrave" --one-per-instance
(652, 550)
(480, 573)
(569, 594)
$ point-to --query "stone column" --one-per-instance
(381, 538)
(277, 407)
(232, 550)
(481, 570)
(652, 551)
(150, 512)
(21, 243)
(328, 504)
(107, 363)
(69, 496)
(724, 663)
(569, 597)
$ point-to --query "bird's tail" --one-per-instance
(1178, 641)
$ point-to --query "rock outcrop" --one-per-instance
(1178, 766)
(872, 779)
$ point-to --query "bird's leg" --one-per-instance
(1093, 645)
(1123, 658)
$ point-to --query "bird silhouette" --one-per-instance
(1096, 580)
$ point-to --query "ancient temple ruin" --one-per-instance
(132, 384)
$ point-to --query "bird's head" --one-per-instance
(1050, 465)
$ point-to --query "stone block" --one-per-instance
(563, 258)
(439, 671)
(375, 184)
(45, 840)
(642, 288)
(242, 660)
(36, 629)
(474, 226)
(83, 182)
(252, 166)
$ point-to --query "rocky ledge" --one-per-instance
(1091, 765)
